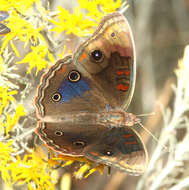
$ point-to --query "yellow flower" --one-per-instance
(6, 97)
(97, 8)
(93, 8)
(73, 23)
(36, 58)
(87, 165)
(99, 167)
(33, 170)
(5, 159)
(20, 5)
(79, 24)
(109, 6)
(21, 29)
(12, 121)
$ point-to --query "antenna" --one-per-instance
(146, 114)
(155, 138)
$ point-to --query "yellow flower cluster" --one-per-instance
(24, 31)
(21, 29)
(87, 167)
(80, 24)
(33, 171)
(5, 159)
(6, 97)
(38, 61)
(8, 122)
(73, 23)
(21, 6)
(11, 121)
(97, 8)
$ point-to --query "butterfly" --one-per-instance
(81, 99)
(3, 28)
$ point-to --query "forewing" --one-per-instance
(57, 95)
(115, 71)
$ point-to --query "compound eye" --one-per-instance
(97, 55)
(56, 97)
(74, 76)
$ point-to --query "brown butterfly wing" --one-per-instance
(68, 138)
(119, 147)
(109, 56)
(80, 96)
(65, 137)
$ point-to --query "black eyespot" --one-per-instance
(79, 143)
(58, 133)
(56, 97)
(97, 55)
(74, 76)
(108, 153)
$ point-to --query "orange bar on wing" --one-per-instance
(122, 87)
(94, 153)
(83, 56)
(132, 142)
(127, 135)
(126, 72)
